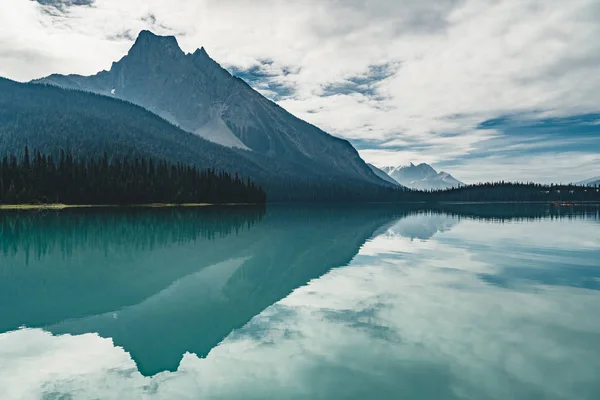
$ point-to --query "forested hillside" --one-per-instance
(195, 93)
(39, 178)
(86, 126)
(89, 125)
(83, 124)
(511, 191)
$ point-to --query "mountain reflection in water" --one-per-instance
(164, 283)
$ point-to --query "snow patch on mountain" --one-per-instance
(192, 91)
(381, 174)
(422, 177)
(217, 131)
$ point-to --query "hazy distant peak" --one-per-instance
(590, 182)
(383, 175)
(423, 167)
(422, 176)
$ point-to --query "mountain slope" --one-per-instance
(381, 174)
(590, 182)
(195, 93)
(422, 177)
(51, 119)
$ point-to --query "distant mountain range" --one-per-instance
(194, 93)
(421, 177)
(383, 175)
(590, 182)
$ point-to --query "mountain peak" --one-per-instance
(422, 176)
(149, 40)
(426, 167)
(204, 62)
(201, 52)
(195, 93)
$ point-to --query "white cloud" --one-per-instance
(459, 62)
(544, 168)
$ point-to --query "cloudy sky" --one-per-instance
(483, 89)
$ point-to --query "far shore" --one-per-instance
(58, 206)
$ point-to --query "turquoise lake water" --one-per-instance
(373, 302)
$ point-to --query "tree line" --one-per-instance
(44, 178)
(34, 177)
(37, 235)
(513, 192)
(501, 191)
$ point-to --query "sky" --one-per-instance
(483, 89)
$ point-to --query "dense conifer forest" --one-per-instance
(78, 127)
(33, 178)
(479, 193)
(137, 229)
(87, 132)
(39, 178)
(513, 192)
(88, 125)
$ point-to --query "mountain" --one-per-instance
(590, 182)
(193, 92)
(422, 177)
(381, 174)
(50, 119)
(83, 124)
(230, 265)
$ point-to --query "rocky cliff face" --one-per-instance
(195, 93)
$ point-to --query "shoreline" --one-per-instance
(59, 206)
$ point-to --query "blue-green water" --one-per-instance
(474, 302)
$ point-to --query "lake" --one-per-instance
(372, 302)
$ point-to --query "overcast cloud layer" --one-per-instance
(485, 89)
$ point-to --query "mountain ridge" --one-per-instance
(193, 92)
(383, 175)
(595, 181)
(86, 125)
(421, 177)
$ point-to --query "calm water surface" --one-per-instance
(483, 302)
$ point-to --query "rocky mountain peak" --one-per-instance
(201, 53)
(150, 43)
(421, 176)
(205, 63)
(193, 92)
